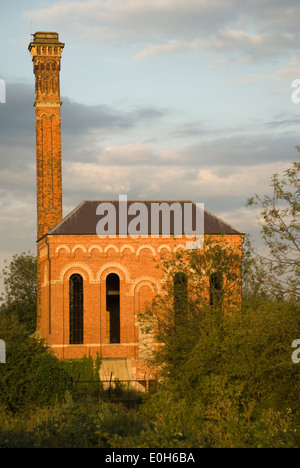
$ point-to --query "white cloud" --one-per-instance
(181, 173)
(254, 45)
(97, 179)
(113, 19)
(131, 153)
(172, 46)
(287, 72)
(250, 29)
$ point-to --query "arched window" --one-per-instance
(76, 309)
(215, 289)
(180, 297)
(113, 308)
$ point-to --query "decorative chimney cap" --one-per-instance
(45, 39)
(46, 35)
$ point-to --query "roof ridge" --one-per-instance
(79, 221)
(224, 222)
(66, 217)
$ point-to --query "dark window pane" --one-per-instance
(215, 289)
(180, 297)
(76, 309)
(113, 307)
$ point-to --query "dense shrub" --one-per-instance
(85, 374)
(20, 290)
(71, 424)
(238, 386)
(32, 375)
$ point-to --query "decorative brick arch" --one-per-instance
(112, 267)
(169, 272)
(111, 246)
(62, 247)
(48, 116)
(164, 246)
(146, 246)
(77, 267)
(179, 246)
(127, 246)
(172, 270)
(144, 281)
(95, 247)
(77, 247)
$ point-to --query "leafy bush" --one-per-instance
(85, 373)
(71, 424)
(32, 375)
(20, 290)
(238, 386)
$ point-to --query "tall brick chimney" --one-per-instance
(46, 50)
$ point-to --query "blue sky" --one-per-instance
(163, 100)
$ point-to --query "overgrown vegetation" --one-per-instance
(228, 379)
(20, 290)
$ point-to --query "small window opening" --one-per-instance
(180, 298)
(113, 308)
(76, 309)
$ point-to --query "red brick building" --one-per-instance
(91, 289)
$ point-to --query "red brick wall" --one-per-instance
(134, 260)
(46, 55)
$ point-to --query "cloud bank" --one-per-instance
(220, 171)
(251, 30)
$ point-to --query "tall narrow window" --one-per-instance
(215, 289)
(113, 307)
(180, 298)
(76, 309)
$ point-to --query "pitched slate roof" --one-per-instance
(83, 219)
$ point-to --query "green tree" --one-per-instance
(227, 374)
(20, 289)
(212, 288)
(32, 376)
(280, 229)
(254, 275)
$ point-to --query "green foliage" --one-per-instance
(20, 284)
(31, 375)
(85, 373)
(63, 425)
(84, 369)
(238, 387)
(280, 231)
(71, 424)
(51, 381)
(178, 331)
(254, 275)
(228, 379)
